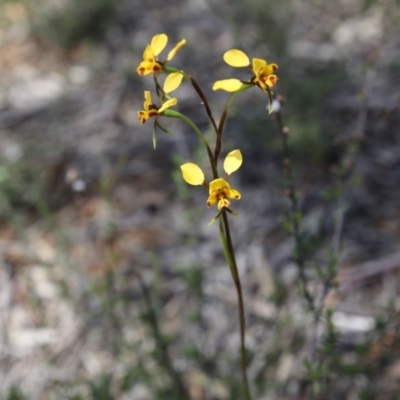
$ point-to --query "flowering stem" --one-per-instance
(294, 210)
(176, 114)
(158, 87)
(229, 252)
(224, 114)
(203, 99)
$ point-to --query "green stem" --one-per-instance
(176, 114)
(228, 104)
(292, 194)
(158, 87)
(229, 252)
(222, 121)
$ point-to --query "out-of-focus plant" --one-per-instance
(69, 23)
(21, 188)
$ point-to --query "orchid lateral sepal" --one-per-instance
(232, 85)
(220, 212)
(172, 82)
(167, 131)
(270, 101)
(216, 217)
(235, 213)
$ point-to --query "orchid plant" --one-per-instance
(219, 188)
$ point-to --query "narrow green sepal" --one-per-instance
(235, 213)
(216, 217)
(270, 102)
(164, 129)
(154, 137)
(270, 107)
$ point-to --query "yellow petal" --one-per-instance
(223, 203)
(145, 68)
(172, 82)
(269, 69)
(158, 43)
(236, 58)
(173, 52)
(168, 104)
(148, 102)
(273, 66)
(192, 174)
(143, 116)
(229, 85)
(271, 81)
(233, 161)
(148, 54)
(234, 194)
(211, 200)
(258, 64)
(217, 185)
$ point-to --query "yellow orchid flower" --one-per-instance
(219, 189)
(150, 110)
(150, 63)
(263, 73)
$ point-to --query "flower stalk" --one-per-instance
(294, 209)
(229, 253)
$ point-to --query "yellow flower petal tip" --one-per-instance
(173, 52)
(192, 174)
(233, 161)
(229, 85)
(236, 58)
(172, 82)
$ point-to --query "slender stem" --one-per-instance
(204, 101)
(158, 87)
(294, 210)
(221, 125)
(226, 240)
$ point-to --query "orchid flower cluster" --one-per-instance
(219, 188)
(262, 77)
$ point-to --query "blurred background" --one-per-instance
(113, 286)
